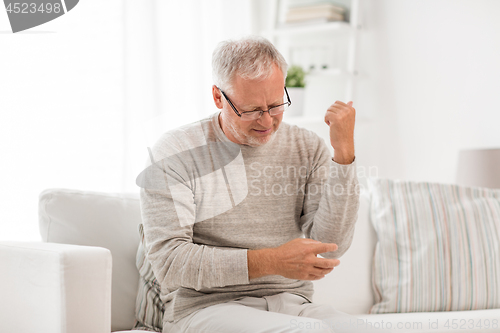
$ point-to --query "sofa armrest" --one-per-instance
(58, 288)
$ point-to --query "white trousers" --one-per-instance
(281, 313)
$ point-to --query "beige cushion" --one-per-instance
(98, 219)
(149, 306)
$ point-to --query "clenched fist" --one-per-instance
(341, 117)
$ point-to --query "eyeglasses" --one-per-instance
(256, 114)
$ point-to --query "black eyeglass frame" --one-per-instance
(289, 102)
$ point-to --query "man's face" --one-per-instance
(249, 95)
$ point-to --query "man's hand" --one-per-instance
(341, 117)
(294, 260)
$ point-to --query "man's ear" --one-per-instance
(217, 96)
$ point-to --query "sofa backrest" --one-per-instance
(99, 219)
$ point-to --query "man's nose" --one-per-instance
(266, 120)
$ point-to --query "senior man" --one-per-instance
(224, 233)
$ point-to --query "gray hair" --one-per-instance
(250, 57)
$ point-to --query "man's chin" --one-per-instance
(254, 141)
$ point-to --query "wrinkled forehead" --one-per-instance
(270, 77)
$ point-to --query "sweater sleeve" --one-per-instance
(168, 211)
(331, 203)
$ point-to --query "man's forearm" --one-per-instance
(344, 156)
(296, 259)
(260, 263)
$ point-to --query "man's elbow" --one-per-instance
(338, 253)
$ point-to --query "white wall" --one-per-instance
(430, 83)
(83, 96)
(61, 97)
(168, 55)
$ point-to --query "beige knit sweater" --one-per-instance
(206, 201)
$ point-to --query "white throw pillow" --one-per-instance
(438, 247)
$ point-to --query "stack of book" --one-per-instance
(314, 11)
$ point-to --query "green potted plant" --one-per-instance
(295, 84)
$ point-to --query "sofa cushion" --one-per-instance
(104, 220)
(475, 321)
(149, 308)
(438, 247)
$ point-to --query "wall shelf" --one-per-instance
(330, 72)
(326, 50)
(299, 29)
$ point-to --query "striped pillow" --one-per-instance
(438, 247)
(149, 308)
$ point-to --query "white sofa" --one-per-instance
(83, 277)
